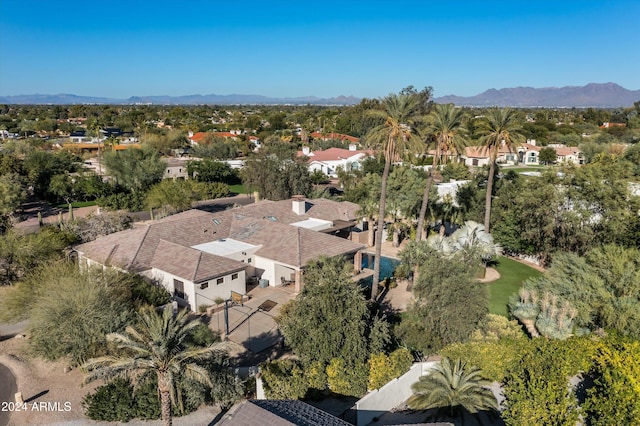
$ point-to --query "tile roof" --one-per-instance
(191, 264)
(264, 224)
(280, 413)
(335, 154)
(482, 152)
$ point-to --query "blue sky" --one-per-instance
(123, 48)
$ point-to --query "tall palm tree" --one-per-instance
(157, 346)
(453, 386)
(393, 137)
(444, 127)
(368, 210)
(500, 128)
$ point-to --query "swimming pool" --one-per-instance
(387, 267)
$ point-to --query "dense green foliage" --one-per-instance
(599, 290)
(274, 178)
(449, 305)
(383, 368)
(615, 396)
(536, 386)
(20, 254)
(330, 323)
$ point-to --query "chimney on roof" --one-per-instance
(190, 134)
(305, 150)
(298, 204)
(352, 147)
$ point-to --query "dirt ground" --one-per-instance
(43, 385)
(53, 393)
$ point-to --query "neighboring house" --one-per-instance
(568, 154)
(79, 136)
(200, 256)
(202, 137)
(329, 160)
(289, 412)
(176, 169)
(529, 153)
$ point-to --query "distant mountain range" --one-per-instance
(606, 95)
(67, 99)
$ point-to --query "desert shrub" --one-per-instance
(144, 292)
(111, 402)
(119, 401)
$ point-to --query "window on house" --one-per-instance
(204, 285)
(234, 276)
(249, 260)
(178, 289)
(219, 281)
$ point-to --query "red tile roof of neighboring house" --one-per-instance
(337, 136)
(482, 152)
(199, 137)
(563, 151)
(334, 154)
(530, 147)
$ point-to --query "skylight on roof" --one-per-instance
(216, 221)
(272, 218)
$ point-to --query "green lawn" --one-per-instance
(238, 189)
(512, 274)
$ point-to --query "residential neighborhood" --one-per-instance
(319, 213)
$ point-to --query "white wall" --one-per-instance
(391, 395)
(207, 295)
(269, 269)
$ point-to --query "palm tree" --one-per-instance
(368, 210)
(444, 127)
(156, 346)
(499, 128)
(393, 137)
(453, 385)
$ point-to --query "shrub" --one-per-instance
(615, 396)
(146, 293)
(284, 379)
(111, 402)
(347, 380)
(384, 368)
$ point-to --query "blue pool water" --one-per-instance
(387, 267)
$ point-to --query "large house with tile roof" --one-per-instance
(200, 256)
(330, 160)
(527, 153)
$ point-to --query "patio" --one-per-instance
(251, 324)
